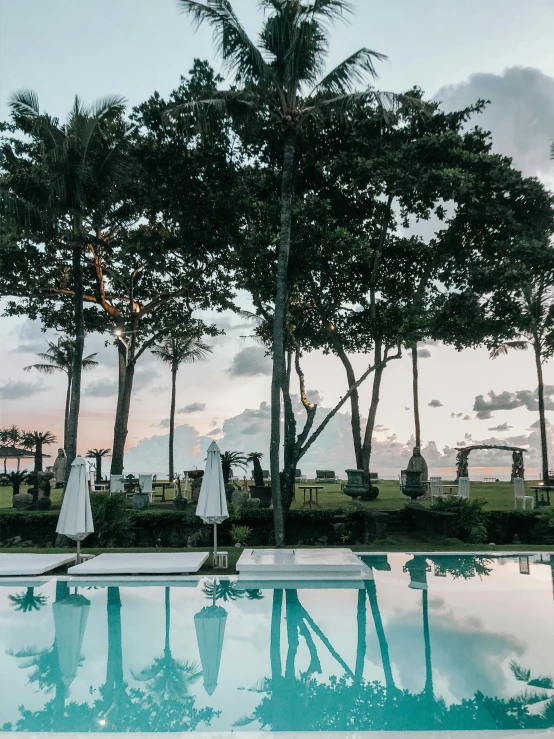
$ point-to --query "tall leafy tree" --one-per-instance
(65, 176)
(98, 455)
(60, 358)
(282, 82)
(535, 302)
(37, 440)
(176, 350)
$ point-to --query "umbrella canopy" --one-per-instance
(210, 631)
(70, 620)
(212, 504)
(75, 519)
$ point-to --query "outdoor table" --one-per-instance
(542, 502)
(129, 484)
(310, 502)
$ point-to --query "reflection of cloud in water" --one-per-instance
(466, 657)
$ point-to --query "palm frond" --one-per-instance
(25, 103)
(238, 52)
(387, 103)
(46, 369)
(244, 721)
(350, 73)
(332, 10)
(110, 105)
(520, 673)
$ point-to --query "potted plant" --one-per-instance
(259, 489)
(228, 461)
(19, 500)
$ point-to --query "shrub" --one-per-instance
(240, 534)
(471, 519)
(112, 520)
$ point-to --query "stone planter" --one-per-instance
(357, 488)
(412, 485)
(141, 501)
(262, 493)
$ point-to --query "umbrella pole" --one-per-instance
(215, 545)
(78, 552)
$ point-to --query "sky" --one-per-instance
(457, 52)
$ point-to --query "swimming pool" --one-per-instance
(431, 643)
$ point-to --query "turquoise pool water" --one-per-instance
(431, 643)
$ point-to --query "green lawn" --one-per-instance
(498, 495)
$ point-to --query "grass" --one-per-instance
(498, 495)
(393, 544)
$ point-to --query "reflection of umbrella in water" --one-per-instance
(70, 620)
(210, 631)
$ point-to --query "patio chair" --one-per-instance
(330, 476)
(145, 485)
(463, 487)
(519, 493)
(437, 490)
(320, 475)
(299, 477)
(266, 475)
(116, 484)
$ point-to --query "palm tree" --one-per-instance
(256, 459)
(536, 304)
(76, 168)
(10, 437)
(59, 357)
(281, 80)
(16, 478)
(37, 440)
(169, 678)
(28, 601)
(175, 351)
(98, 455)
(230, 460)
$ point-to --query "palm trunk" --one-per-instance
(38, 457)
(368, 436)
(121, 421)
(66, 413)
(279, 332)
(361, 619)
(114, 667)
(98, 470)
(167, 648)
(355, 420)
(427, 642)
(415, 381)
(79, 327)
(381, 637)
(172, 420)
(542, 417)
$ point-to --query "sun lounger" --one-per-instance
(280, 564)
(32, 564)
(142, 564)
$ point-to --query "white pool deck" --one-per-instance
(300, 564)
(27, 565)
(493, 734)
(156, 563)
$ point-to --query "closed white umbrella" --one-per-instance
(75, 519)
(70, 620)
(212, 503)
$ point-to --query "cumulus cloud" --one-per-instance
(163, 424)
(507, 401)
(466, 418)
(435, 404)
(456, 415)
(214, 432)
(423, 353)
(501, 427)
(250, 362)
(19, 389)
(520, 115)
(32, 338)
(193, 408)
(101, 389)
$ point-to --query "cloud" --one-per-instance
(33, 339)
(250, 362)
(466, 418)
(315, 397)
(456, 415)
(143, 378)
(159, 389)
(507, 401)
(520, 115)
(193, 408)
(435, 404)
(501, 427)
(19, 389)
(214, 432)
(163, 424)
(101, 389)
(423, 353)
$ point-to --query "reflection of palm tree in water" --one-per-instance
(45, 664)
(168, 678)
(115, 701)
(28, 601)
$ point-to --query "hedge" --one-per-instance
(153, 528)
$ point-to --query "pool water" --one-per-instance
(430, 643)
